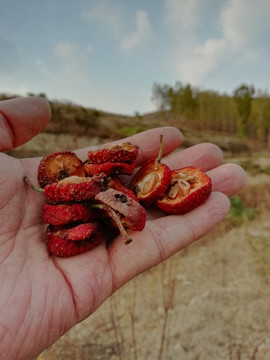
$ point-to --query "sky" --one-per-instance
(107, 54)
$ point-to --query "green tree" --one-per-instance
(161, 96)
(243, 97)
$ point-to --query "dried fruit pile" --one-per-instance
(84, 198)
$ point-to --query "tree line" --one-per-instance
(245, 113)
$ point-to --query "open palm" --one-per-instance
(42, 297)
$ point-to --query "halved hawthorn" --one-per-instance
(58, 166)
(151, 180)
(189, 187)
(112, 160)
(73, 188)
(57, 246)
(109, 168)
(61, 214)
(72, 232)
(114, 153)
(114, 182)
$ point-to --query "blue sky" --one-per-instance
(106, 54)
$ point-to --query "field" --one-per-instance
(210, 301)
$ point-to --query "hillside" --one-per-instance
(73, 126)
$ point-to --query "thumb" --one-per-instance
(21, 119)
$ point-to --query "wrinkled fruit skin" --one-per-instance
(79, 191)
(150, 182)
(115, 183)
(120, 153)
(61, 214)
(189, 187)
(112, 160)
(66, 248)
(74, 232)
(109, 168)
(58, 166)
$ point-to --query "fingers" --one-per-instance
(228, 178)
(21, 119)
(164, 237)
(149, 143)
(205, 156)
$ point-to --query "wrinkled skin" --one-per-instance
(43, 297)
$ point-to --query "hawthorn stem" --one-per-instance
(116, 219)
(160, 149)
(25, 178)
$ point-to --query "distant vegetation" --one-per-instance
(245, 113)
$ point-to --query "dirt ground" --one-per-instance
(208, 302)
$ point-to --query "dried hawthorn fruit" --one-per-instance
(189, 187)
(112, 160)
(131, 213)
(119, 153)
(115, 183)
(73, 188)
(58, 166)
(66, 248)
(109, 168)
(151, 180)
(73, 232)
(61, 214)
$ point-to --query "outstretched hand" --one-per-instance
(42, 297)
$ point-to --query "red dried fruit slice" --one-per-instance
(131, 213)
(57, 166)
(151, 180)
(114, 153)
(75, 188)
(73, 233)
(115, 183)
(189, 187)
(109, 168)
(61, 214)
(64, 248)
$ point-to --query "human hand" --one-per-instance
(42, 297)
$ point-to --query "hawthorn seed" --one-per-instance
(148, 183)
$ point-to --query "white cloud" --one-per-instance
(244, 21)
(105, 11)
(183, 14)
(142, 33)
(242, 24)
(204, 59)
(72, 59)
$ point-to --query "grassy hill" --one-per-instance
(73, 126)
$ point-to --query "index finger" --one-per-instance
(21, 119)
(148, 142)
